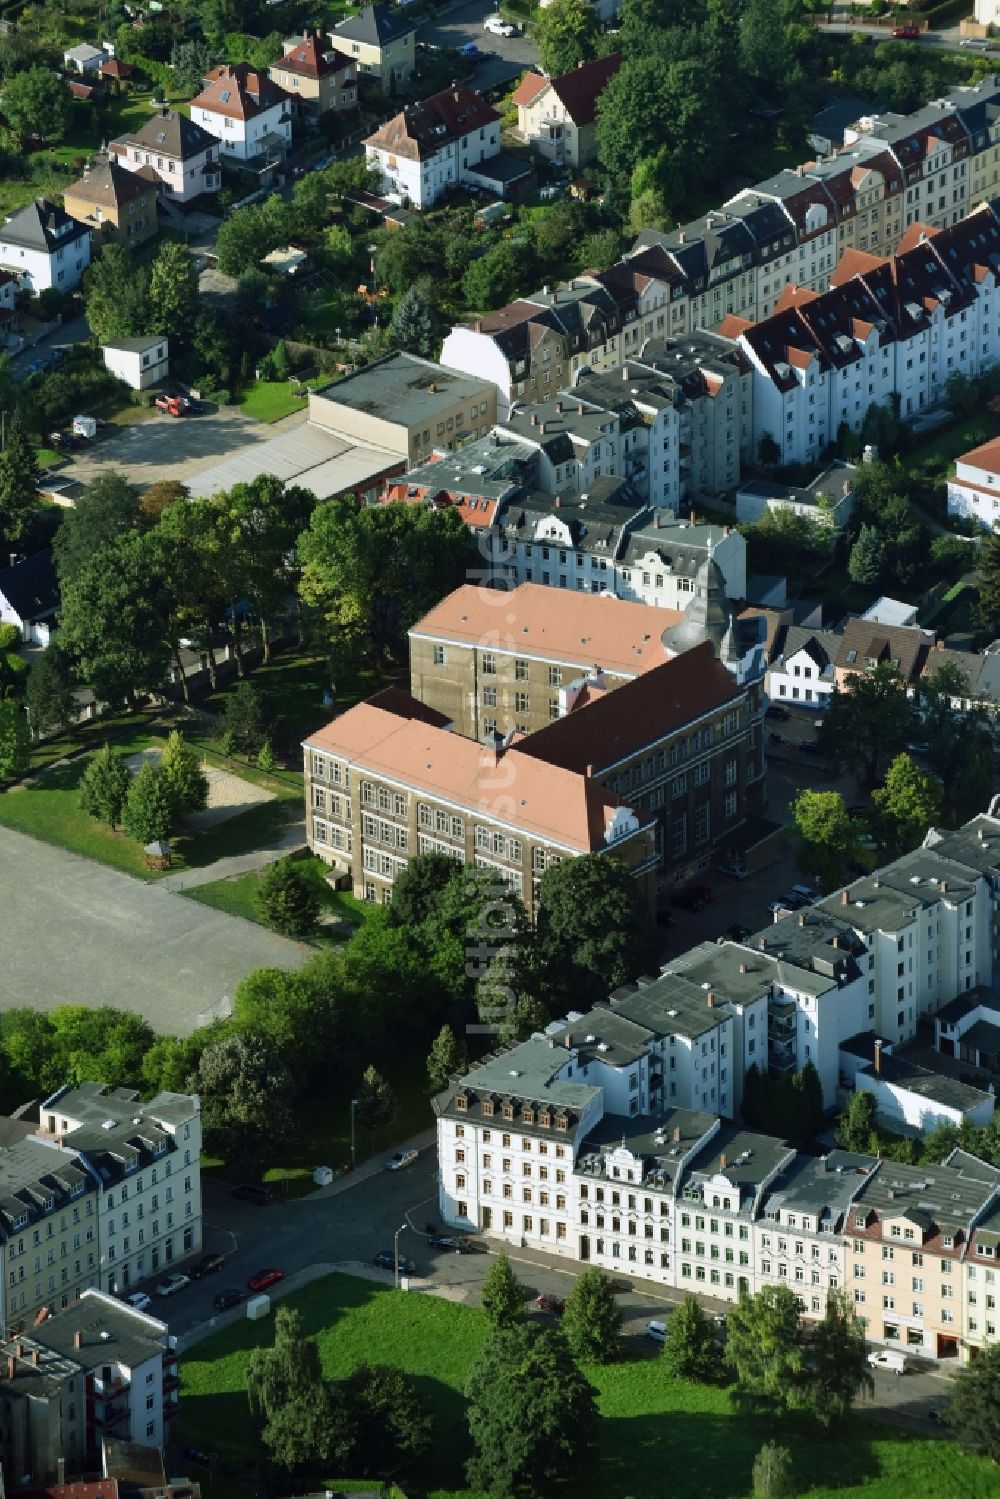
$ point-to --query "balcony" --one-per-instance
(781, 1058)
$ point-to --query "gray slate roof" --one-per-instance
(376, 25)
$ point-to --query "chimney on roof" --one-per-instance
(534, 418)
(11, 1366)
(943, 886)
(568, 1040)
(892, 1193)
(677, 1134)
(762, 944)
(19, 1349)
(723, 1161)
(580, 63)
(725, 530)
(78, 1339)
(939, 645)
(625, 372)
(556, 503)
(493, 750)
(60, 1470)
(743, 968)
(710, 1000)
(845, 897)
(692, 517)
(878, 1057)
(559, 408)
(35, 1357)
(802, 918)
(590, 772)
(541, 428)
(579, 408)
(680, 237)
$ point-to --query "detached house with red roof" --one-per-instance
(317, 77)
(249, 115)
(432, 147)
(557, 116)
(974, 490)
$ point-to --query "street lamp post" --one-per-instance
(354, 1153)
(395, 1250)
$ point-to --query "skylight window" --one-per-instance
(225, 96)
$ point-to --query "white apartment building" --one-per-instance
(799, 1237)
(430, 147)
(43, 248)
(974, 488)
(803, 670)
(247, 113)
(146, 1159)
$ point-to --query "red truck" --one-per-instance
(172, 405)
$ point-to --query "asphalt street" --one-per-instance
(348, 1226)
(465, 24)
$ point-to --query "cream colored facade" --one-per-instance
(390, 63)
(548, 127)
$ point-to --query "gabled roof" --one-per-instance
(30, 587)
(422, 130)
(376, 24)
(577, 91)
(41, 226)
(985, 457)
(108, 186)
(864, 640)
(239, 93)
(311, 56)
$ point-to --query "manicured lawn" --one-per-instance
(652, 1426)
(237, 895)
(270, 400)
(50, 810)
(939, 452)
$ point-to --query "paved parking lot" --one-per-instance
(465, 24)
(168, 447)
(76, 933)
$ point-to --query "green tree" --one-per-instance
(377, 1106)
(826, 836)
(105, 1043)
(15, 740)
(107, 510)
(502, 1295)
(566, 33)
(418, 888)
(763, 1347)
(371, 573)
(391, 1420)
(600, 249)
(837, 1369)
(49, 696)
(104, 786)
(290, 1401)
(115, 618)
(246, 719)
(288, 899)
(446, 1058)
(650, 192)
(763, 47)
(492, 279)
(908, 804)
(989, 583)
(689, 1348)
(772, 1473)
(592, 1319)
(868, 721)
(116, 295)
(190, 60)
(856, 1127)
(183, 775)
(37, 102)
(973, 1412)
(594, 928)
(412, 327)
(653, 104)
(302, 1014)
(867, 557)
(149, 807)
(18, 483)
(245, 1090)
(173, 292)
(532, 1414)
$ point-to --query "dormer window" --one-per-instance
(461, 1102)
(527, 1116)
(544, 1119)
(487, 1108)
(562, 1124)
(508, 1111)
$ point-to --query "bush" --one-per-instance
(288, 899)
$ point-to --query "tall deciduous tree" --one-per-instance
(15, 740)
(390, 1419)
(592, 1319)
(989, 583)
(856, 1125)
(245, 1090)
(909, 803)
(36, 102)
(973, 1413)
(107, 509)
(502, 1295)
(566, 33)
(104, 786)
(298, 1420)
(446, 1058)
(593, 925)
(837, 1369)
(173, 292)
(377, 1105)
(49, 696)
(868, 721)
(532, 1414)
(115, 619)
(764, 1349)
(116, 295)
(826, 836)
(18, 483)
(689, 1348)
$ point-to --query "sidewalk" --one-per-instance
(294, 836)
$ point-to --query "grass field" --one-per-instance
(50, 810)
(937, 455)
(237, 895)
(657, 1435)
(270, 400)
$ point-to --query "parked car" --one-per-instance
(256, 1192)
(885, 1358)
(793, 902)
(445, 1241)
(399, 1159)
(774, 711)
(383, 1261)
(657, 1331)
(547, 1303)
(224, 1301)
(734, 869)
(471, 53)
(975, 43)
(173, 1284)
(812, 747)
(207, 1265)
(140, 1300)
(499, 27)
(264, 1278)
(906, 33)
(805, 893)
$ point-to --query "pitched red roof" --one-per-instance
(578, 91)
(240, 92)
(422, 130)
(313, 57)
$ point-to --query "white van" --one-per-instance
(884, 1358)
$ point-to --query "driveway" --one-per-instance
(77, 933)
(169, 447)
(465, 24)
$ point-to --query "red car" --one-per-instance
(547, 1303)
(264, 1278)
(906, 33)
